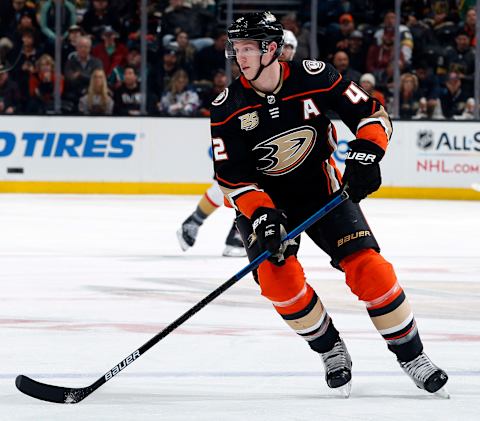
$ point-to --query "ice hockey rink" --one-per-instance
(86, 280)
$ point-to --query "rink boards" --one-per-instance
(426, 159)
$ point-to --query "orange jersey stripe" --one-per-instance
(234, 114)
(332, 162)
(328, 178)
(314, 91)
(244, 82)
(228, 183)
(286, 70)
(249, 202)
(374, 133)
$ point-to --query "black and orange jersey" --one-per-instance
(275, 149)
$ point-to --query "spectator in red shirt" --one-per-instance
(41, 86)
(379, 56)
(110, 52)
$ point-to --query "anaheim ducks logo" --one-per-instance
(313, 67)
(286, 151)
(220, 99)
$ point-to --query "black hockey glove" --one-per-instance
(269, 227)
(362, 169)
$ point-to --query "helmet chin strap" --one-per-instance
(260, 69)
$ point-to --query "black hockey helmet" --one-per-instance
(261, 27)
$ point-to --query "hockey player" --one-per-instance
(211, 200)
(213, 197)
(272, 143)
(290, 44)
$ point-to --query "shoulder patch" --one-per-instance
(220, 99)
(313, 67)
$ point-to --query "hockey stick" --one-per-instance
(60, 394)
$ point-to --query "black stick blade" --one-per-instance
(49, 393)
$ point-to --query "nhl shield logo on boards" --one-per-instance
(425, 139)
(313, 67)
(249, 121)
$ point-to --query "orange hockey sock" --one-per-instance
(297, 303)
(373, 280)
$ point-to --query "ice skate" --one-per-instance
(426, 375)
(187, 233)
(234, 244)
(338, 368)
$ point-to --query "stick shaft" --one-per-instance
(73, 395)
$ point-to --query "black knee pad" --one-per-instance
(343, 232)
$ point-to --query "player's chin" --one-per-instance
(249, 73)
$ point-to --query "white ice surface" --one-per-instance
(86, 280)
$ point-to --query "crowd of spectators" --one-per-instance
(101, 60)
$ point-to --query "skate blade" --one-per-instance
(183, 245)
(231, 251)
(442, 393)
(345, 390)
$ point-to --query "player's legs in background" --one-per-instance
(209, 203)
(301, 308)
(234, 244)
(211, 200)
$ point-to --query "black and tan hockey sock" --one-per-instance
(314, 325)
(395, 322)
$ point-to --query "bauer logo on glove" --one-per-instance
(269, 227)
(362, 171)
(362, 157)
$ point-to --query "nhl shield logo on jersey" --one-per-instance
(220, 99)
(249, 121)
(313, 67)
(286, 151)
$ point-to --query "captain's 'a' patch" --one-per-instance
(313, 67)
(220, 99)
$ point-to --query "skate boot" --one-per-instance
(234, 244)
(187, 233)
(338, 368)
(426, 375)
